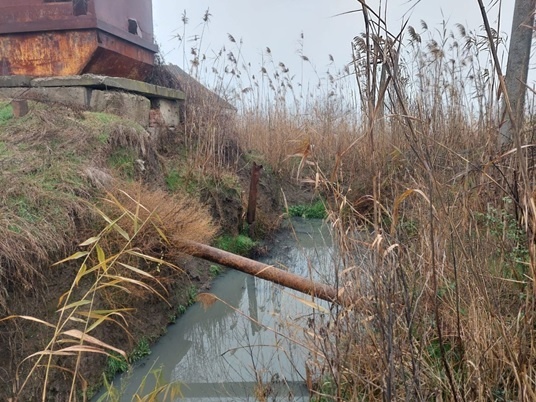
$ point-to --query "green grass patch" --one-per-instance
(174, 180)
(15, 229)
(108, 122)
(117, 363)
(225, 183)
(103, 137)
(192, 295)
(123, 160)
(104, 118)
(141, 350)
(509, 234)
(316, 210)
(240, 244)
(102, 126)
(215, 270)
(24, 208)
(181, 308)
(6, 112)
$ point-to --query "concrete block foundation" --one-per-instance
(73, 96)
(127, 98)
(170, 112)
(133, 107)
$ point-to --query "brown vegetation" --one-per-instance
(72, 181)
(434, 223)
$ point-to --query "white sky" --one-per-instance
(278, 24)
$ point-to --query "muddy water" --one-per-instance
(219, 354)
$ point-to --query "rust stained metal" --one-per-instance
(116, 57)
(24, 13)
(40, 38)
(47, 54)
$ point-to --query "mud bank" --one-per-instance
(58, 163)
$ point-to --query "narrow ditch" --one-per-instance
(249, 342)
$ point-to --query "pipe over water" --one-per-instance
(263, 271)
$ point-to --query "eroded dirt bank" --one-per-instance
(57, 165)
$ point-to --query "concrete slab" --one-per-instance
(170, 111)
(104, 82)
(9, 81)
(86, 80)
(75, 96)
(124, 97)
(131, 106)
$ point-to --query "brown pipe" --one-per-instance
(263, 271)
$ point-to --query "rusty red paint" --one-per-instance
(43, 38)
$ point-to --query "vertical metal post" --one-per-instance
(252, 201)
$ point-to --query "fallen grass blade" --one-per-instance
(90, 241)
(308, 303)
(28, 318)
(99, 319)
(75, 256)
(399, 200)
(153, 259)
(75, 305)
(121, 279)
(75, 333)
(101, 256)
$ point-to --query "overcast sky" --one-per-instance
(279, 23)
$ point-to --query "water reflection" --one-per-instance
(222, 355)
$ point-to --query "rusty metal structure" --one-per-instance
(72, 37)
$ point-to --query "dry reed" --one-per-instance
(433, 222)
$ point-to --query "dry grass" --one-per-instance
(179, 216)
(54, 160)
(433, 222)
(128, 258)
(56, 164)
(43, 194)
(444, 289)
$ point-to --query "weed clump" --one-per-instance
(6, 112)
(316, 210)
(124, 261)
(240, 244)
